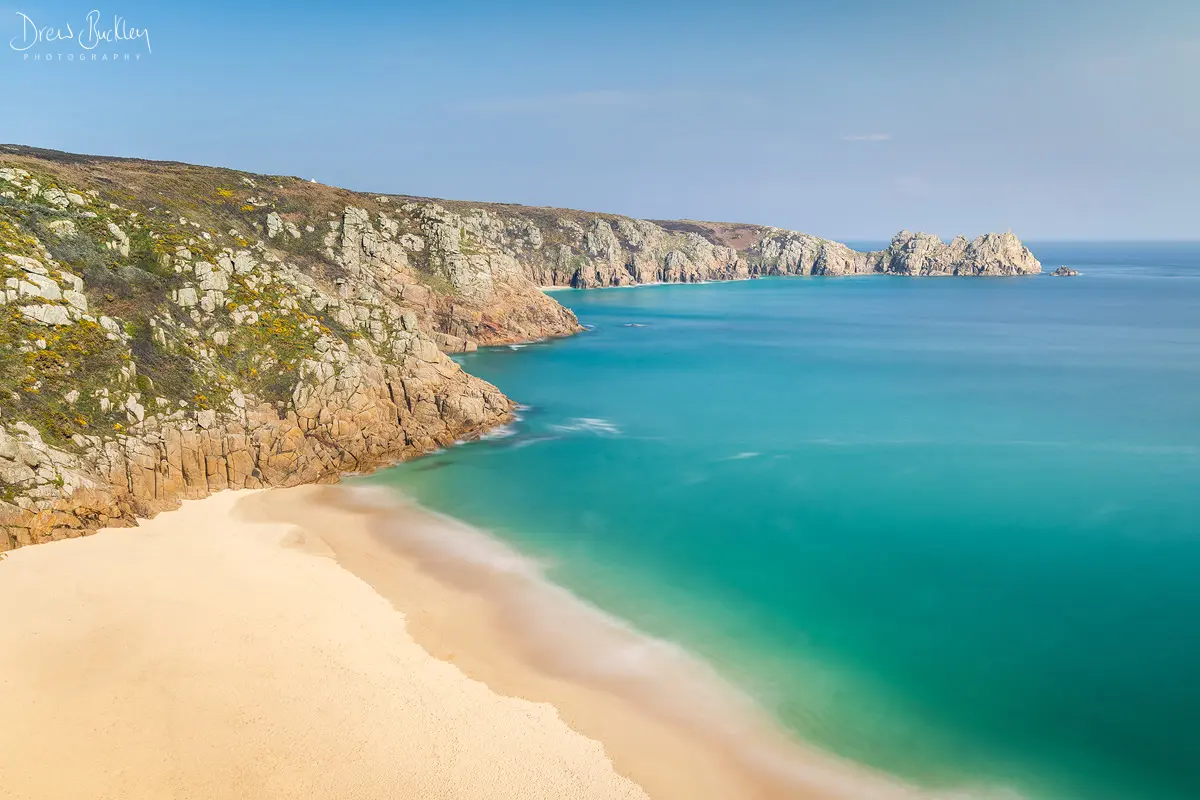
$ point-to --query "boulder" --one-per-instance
(47, 314)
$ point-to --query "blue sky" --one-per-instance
(846, 119)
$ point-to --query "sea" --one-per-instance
(948, 528)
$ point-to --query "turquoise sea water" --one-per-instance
(949, 528)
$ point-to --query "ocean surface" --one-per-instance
(948, 528)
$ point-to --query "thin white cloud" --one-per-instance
(867, 137)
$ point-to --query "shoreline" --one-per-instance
(845, 276)
(341, 641)
(551, 289)
(665, 719)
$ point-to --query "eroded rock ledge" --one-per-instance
(167, 330)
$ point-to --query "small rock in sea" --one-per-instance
(1065, 272)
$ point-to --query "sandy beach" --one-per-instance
(199, 655)
(329, 642)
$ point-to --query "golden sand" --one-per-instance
(199, 656)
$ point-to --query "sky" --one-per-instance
(1058, 119)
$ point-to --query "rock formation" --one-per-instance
(167, 331)
(1065, 272)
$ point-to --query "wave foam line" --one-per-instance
(567, 638)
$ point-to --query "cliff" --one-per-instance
(168, 330)
(595, 250)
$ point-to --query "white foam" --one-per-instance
(596, 425)
(499, 432)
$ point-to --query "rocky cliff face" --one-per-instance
(789, 253)
(167, 331)
(595, 250)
